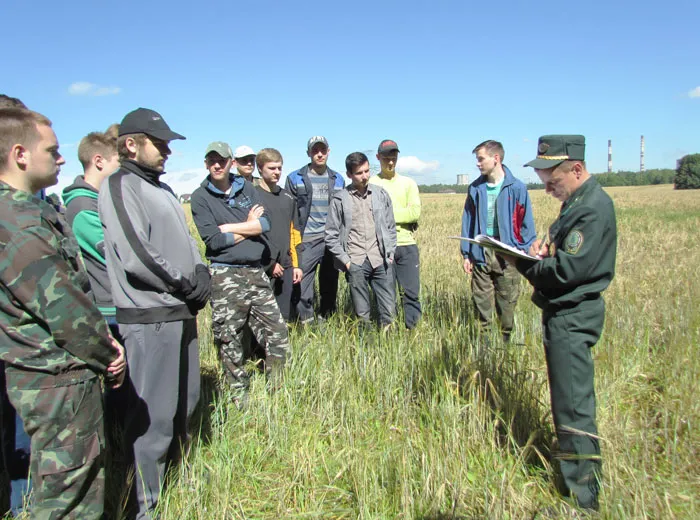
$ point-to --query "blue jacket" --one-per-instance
(516, 226)
(299, 185)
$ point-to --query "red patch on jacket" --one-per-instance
(518, 217)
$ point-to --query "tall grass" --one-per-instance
(432, 424)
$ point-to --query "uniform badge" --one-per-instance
(573, 242)
(542, 148)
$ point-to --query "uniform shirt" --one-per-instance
(362, 235)
(405, 199)
(48, 323)
(583, 245)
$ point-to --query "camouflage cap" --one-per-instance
(223, 149)
(553, 150)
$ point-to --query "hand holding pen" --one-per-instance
(540, 247)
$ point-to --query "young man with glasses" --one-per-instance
(159, 283)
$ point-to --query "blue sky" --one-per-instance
(437, 77)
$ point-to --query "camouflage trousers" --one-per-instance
(240, 296)
(497, 282)
(64, 418)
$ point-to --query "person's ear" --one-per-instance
(20, 155)
(131, 145)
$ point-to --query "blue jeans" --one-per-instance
(381, 279)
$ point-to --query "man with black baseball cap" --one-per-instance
(406, 203)
(577, 264)
(159, 283)
(313, 186)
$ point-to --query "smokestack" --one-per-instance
(609, 155)
(641, 156)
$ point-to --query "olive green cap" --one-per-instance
(553, 150)
(223, 149)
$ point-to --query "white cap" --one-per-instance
(243, 151)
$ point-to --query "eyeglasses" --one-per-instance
(246, 160)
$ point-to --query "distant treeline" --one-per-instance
(646, 178)
(443, 188)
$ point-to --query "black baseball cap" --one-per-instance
(147, 121)
(387, 146)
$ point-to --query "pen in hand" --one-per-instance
(543, 249)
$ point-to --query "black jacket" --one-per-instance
(212, 208)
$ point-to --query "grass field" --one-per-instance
(425, 425)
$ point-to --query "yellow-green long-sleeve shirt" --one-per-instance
(406, 202)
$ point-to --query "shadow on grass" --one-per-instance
(482, 365)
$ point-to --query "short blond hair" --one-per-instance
(102, 143)
(267, 155)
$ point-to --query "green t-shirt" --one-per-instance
(492, 191)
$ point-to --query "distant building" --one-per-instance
(447, 191)
(185, 197)
(462, 179)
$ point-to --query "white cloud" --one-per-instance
(695, 93)
(83, 88)
(412, 164)
(184, 181)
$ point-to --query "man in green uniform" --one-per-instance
(53, 340)
(577, 264)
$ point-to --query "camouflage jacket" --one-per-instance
(48, 322)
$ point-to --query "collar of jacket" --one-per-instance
(354, 191)
(237, 183)
(578, 195)
(304, 171)
(508, 178)
(148, 174)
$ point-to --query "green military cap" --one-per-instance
(223, 149)
(553, 150)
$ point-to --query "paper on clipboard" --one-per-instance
(496, 245)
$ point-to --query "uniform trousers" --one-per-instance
(568, 337)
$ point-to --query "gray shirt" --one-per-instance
(362, 235)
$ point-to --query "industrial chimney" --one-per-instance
(641, 156)
(609, 155)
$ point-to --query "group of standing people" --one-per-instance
(119, 272)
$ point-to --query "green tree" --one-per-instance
(688, 173)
